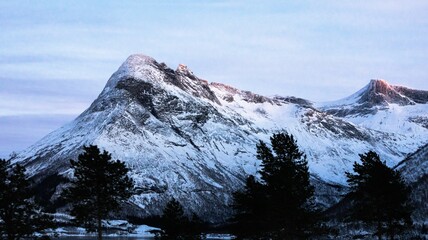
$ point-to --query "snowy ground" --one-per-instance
(116, 229)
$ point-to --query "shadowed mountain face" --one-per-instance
(185, 138)
(414, 169)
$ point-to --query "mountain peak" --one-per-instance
(137, 60)
(377, 80)
(376, 95)
(135, 66)
(380, 86)
(140, 57)
(183, 69)
(143, 72)
(396, 94)
(380, 92)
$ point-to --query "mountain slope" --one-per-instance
(195, 141)
(414, 169)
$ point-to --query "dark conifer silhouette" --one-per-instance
(176, 225)
(282, 203)
(380, 196)
(19, 216)
(173, 219)
(250, 210)
(98, 188)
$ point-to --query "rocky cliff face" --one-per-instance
(195, 141)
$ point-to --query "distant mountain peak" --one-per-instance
(376, 95)
(380, 92)
(379, 86)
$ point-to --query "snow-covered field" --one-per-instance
(113, 229)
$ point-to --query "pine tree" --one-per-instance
(286, 175)
(250, 210)
(380, 196)
(19, 215)
(173, 220)
(99, 186)
(282, 202)
(176, 225)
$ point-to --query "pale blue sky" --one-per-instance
(56, 56)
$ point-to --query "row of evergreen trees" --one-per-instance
(19, 215)
(278, 203)
(99, 187)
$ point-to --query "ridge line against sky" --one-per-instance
(56, 56)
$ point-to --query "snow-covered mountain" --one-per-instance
(195, 141)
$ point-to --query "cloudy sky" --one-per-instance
(56, 56)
